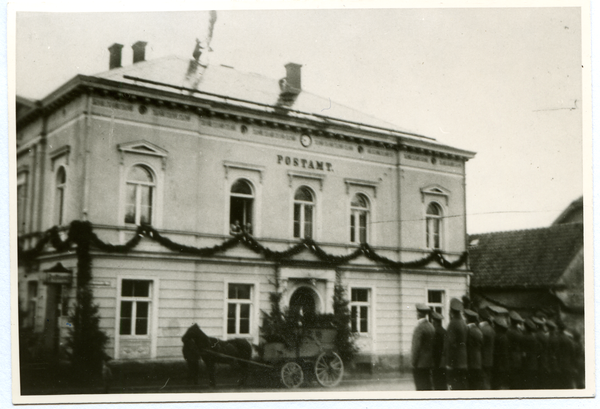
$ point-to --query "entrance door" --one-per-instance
(303, 303)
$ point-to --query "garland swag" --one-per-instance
(78, 235)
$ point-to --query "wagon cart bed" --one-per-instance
(316, 352)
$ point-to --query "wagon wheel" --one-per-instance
(292, 375)
(329, 369)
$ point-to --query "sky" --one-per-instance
(503, 82)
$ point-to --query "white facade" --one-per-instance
(119, 152)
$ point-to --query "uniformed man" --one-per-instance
(422, 349)
(455, 348)
(542, 339)
(515, 340)
(530, 355)
(553, 368)
(565, 357)
(579, 355)
(501, 370)
(438, 373)
(487, 349)
(474, 345)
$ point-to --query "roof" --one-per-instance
(524, 259)
(222, 85)
(174, 71)
(572, 214)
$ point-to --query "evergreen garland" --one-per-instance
(245, 239)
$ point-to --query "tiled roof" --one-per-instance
(523, 258)
(227, 82)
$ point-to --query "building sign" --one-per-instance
(416, 157)
(58, 278)
(274, 134)
(217, 124)
(180, 116)
(112, 104)
(304, 163)
(453, 164)
(333, 144)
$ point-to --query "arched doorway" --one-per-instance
(304, 302)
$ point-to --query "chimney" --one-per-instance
(139, 51)
(115, 56)
(293, 76)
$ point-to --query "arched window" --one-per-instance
(59, 199)
(359, 218)
(434, 226)
(139, 195)
(304, 207)
(240, 207)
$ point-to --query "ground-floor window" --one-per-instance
(239, 309)
(135, 303)
(360, 304)
(435, 299)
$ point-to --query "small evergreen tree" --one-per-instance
(344, 339)
(86, 339)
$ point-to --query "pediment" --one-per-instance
(434, 190)
(142, 148)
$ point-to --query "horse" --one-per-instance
(196, 345)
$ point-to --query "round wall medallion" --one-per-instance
(143, 109)
(305, 140)
(433, 160)
(360, 149)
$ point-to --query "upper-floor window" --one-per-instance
(304, 209)
(240, 207)
(139, 195)
(360, 304)
(434, 226)
(135, 307)
(239, 308)
(21, 200)
(59, 195)
(359, 218)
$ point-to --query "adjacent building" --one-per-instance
(535, 270)
(203, 152)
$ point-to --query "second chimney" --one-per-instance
(115, 56)
(139, 51)
(293, 75)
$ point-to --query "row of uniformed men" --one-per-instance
(495, 349)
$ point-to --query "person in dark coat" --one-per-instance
(422, 349)
(474, 346)
(515, 341)
(530, 355)
(565, 357)
(438, 374)
(455, 348)
(542, 340)
(579, 353)
(501, 370)
(487, 349)
(553, 368)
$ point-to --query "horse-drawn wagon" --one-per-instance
(314, 352)
(311, 353)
